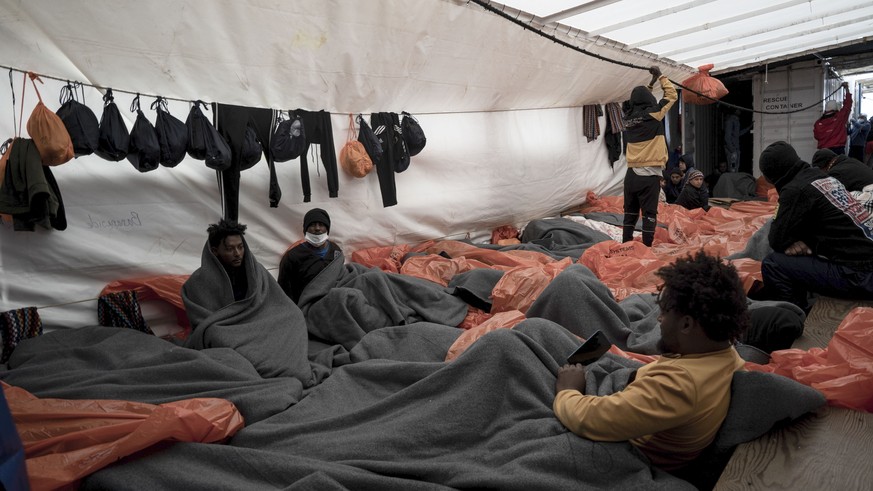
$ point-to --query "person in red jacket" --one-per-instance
(830, 129)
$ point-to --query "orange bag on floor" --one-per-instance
(703, 83)
(66, 440)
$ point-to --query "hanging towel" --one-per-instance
(614, 117)
(121, 309)
(591, 126)
(16, 326)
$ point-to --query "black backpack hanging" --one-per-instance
(400, 149)
(251, 150)
(114, 137)
(144, 151)
(369, 140)
(80, 121)
(172, 134)
(288, 140)
(204, 141)
(413, 135)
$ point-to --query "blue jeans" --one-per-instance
(791, 278)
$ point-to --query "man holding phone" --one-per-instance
(673, 407)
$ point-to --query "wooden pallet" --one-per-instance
(830, 449)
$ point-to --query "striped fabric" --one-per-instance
(16, 326)
(590, 124)
(121, 309)
(614, 117)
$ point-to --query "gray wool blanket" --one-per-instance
(395, 417)
(265, 327)
(346, 301)
(561, 236)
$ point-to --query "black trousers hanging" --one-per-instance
(385, 167)
(231, 123)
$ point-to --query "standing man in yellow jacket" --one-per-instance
(646, 155)
(673, 407)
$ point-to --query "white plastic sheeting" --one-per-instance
(459, 68)
(731, 35)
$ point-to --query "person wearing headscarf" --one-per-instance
(302, 263)
(822, 237)
(694, 195)
(854, 174)
(830, 129)
(646, 155)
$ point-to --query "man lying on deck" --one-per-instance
(673, 407)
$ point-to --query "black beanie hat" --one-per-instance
(822, 158)
(316, 215)
(779, 163)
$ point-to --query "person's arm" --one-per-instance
(846, 110)
(661, 399)
(789, 220)
(670, 94)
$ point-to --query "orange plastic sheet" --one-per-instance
(502, 320)
(843, 371)
(65, 440)
(387, 258)
(167, 288)
(629, 268)
(520, 287)
(508, 320)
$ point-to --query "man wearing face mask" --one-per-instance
(302, 263)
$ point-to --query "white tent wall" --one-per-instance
(501, 108)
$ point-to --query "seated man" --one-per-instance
(822, 237)
(672, 409)
(673, 187)
(302, 263)
(232, 301)
(853, 173)
(226, 243)
(694, 195)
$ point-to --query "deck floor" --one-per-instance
(829, 449)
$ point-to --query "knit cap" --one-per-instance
(316, 215)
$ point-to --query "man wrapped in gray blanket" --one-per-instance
(233, 302)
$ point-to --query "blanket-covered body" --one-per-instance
(346, 301)
(393, 416)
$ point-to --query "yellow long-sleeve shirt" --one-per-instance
(671, 411)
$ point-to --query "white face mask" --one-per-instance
(316, 240)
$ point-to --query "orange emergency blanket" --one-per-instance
(629, 268)
(65, 440)
(843, 371)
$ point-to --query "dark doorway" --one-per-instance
(740, 95)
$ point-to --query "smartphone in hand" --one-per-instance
(592, 349)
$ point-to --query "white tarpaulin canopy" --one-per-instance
(501, 107)
(730, 35)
